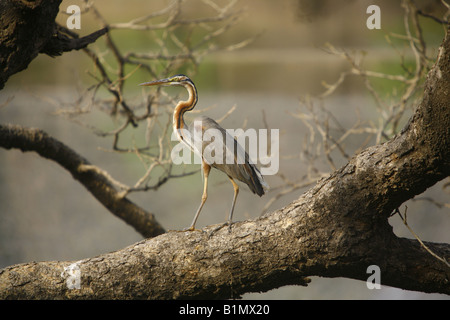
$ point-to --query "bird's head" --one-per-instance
(177, 80)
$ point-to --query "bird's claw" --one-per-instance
(228, 223)
(186, 230)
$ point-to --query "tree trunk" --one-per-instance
(29, 28)
(26, 29)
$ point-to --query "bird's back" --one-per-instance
(233, 159)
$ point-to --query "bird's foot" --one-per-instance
(191, 228)
(228, 223)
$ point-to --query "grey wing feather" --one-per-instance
(233, 160)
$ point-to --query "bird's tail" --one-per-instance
(258, 185)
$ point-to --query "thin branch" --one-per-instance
(418, 239)
(427, 15)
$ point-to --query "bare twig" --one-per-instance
(391, 110)
(169, 51)
(417, 237)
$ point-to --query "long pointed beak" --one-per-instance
(156, 82)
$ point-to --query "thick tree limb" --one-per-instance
(336, 229)
(65, 40)
(26, 139)
(276, 250)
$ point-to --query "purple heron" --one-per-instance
(241, 167)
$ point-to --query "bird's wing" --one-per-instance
(223, 152)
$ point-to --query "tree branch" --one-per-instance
(278, 249)
(97, 183)
(65, 40)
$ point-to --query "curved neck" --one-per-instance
(183, 106)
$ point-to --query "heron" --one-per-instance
(241, 167)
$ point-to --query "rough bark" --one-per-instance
(336, 229)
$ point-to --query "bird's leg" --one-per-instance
(206, 168)
(236, 192)
(230, 217)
